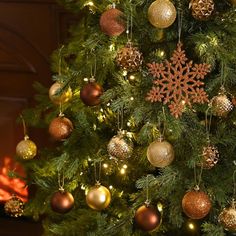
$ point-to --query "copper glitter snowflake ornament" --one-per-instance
(178, 83)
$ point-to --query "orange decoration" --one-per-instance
(178, 82)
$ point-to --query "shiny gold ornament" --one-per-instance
(196, 204)
(210, 156)
(202, 9)
(129, 58)
(162, 13)
(98, 197)
(221, 105)
(160, 153)
(120, 146)
(58, 96)
(14, 207)
(26, 149)
(228, 218)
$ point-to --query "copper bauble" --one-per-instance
(228, 218)
(111, 22)
(202, 9)
(90, 94)
(60, 128)
(129, 58)
(210, 156)
(160, 153)
(120, 146)
(14, 207)
(147, 218)
(62, 201)
(196, 204)
(221, 105)
(98, 197)
(162, 13)
(58, 96)
(26, 149)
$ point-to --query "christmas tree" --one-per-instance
(141, 121)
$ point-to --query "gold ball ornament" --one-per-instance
(210, 156)
(221, 105)
(160, 153)
(26, 149)
(228, 218)
(202, 9)
(129, 58)
(14, 207)
(162, 13)
(120, 146)
(196, 204)
(98, 197)
(58, 96)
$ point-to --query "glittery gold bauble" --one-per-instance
(129, 58)
(221, 105)
(58, 96)
(111, 22)
(120, 146)
(202, 9)
(98, 197)
(14, 207)
(160, 153)
(228, 218)
(196, 204)
(26, 149)
(210, 156)
(161, 13)
(60, 128)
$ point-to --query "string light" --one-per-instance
(132, 77)
(86, 79)
(105, 165)
(125, 166)
(122, 171)
(132, 98)
(82, 187)
(112, 47)
(124, 73)
(160, 207)
(110, 187)
(81, 173)
(90, 3)
(191, 226)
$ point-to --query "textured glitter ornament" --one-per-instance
(228, 218)
(210, 156)
(90, 93)
(111, 22)
(62, 201)
(26, 149)
(220, 104)
(160, 153)
(98, 197)
(178, 82)
(147, 218)
(129, 58)
(60, 128)
(58, 96)
(202, 9)
(14, 207)
(162, 13)
(196, 204)
(120, 146)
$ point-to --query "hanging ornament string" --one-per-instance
(97, 176)
(120, 119)
(24, 126)
(180, 24)
(94, 70)
(208, 124)
(59, 73)
(222, 77)
(198, 179)
(129, 30)
(147, 202)
(61, 181)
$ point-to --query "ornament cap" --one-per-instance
(61, 189)
(97, 184)
(113, 5)
(26, 137)
(196, 188)
(147, 203)
(92, 79)
(161, 138)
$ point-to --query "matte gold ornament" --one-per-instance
(196, 204)
(98, 197)
(202, 9)
(129, 58)
(228, 218)
(210, 156)
(160, 153)
(58, 96)
(14, 207)
(26, 149)
(221, 105)
(162, 13)
(120, 146)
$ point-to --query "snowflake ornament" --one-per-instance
(179, 82)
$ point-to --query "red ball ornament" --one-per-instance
(60, 128)
(90, 94)
(62, 202)
(196, 204)
(147, 218)
(111, 22)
